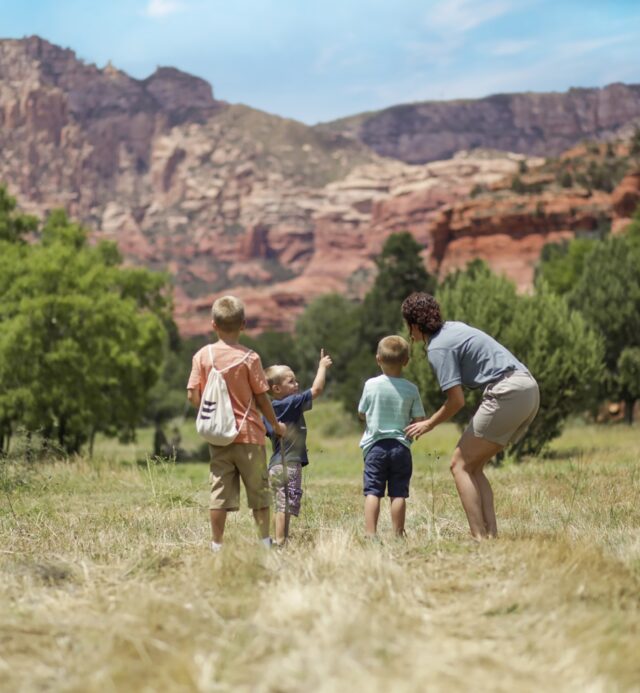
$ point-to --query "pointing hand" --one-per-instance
(325, 359)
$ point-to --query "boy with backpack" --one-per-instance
(228, 418)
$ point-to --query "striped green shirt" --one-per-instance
(389, 404)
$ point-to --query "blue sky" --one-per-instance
(317, 61)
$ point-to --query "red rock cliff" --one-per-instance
(229, 199)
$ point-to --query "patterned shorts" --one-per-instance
(286, 486)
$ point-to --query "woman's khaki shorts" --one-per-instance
(507, 409)
(231, 463)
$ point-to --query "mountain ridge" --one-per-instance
(535, 123)
(228, 198)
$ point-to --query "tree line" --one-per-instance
(88, 346)
(578, 331)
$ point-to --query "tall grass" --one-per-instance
(106, 583)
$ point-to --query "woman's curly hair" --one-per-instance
(424, 311)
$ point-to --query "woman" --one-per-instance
(463, 356)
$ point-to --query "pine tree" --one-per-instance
(608, 295)
(400, 272)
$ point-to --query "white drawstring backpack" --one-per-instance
(216, 422)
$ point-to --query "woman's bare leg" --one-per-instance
(488, 509)
(469, 457)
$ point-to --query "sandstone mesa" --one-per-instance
(227, 198)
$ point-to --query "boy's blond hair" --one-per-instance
(228, 313)
(275, 374)
(393, 350)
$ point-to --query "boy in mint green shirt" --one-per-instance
(389, 403)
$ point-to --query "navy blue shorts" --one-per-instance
(388, 462)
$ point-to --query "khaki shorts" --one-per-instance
(508, 407)
(228, 465)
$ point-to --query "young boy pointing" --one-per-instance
(290, 452)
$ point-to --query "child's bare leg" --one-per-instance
(488, 508)
(470, 455)
(371, 514)
(282, 527)
(398, 514)
(218, 520)
(262, 516)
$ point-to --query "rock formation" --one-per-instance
(227, 198)
(625, 200)
(530, 123)
(509, 233)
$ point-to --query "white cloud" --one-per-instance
(435, 53)
(557, 70)
(326, 57)
(448, 22)
(162, 8)
(339, 55)
(460, 16)
(582, 47)
(505, 48)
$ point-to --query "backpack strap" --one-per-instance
(237, 363)
(228, 368)
(244, 418)
(233, 365)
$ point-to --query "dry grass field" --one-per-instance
(107, 584)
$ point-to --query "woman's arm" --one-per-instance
(452, 405)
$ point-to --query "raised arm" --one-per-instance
(453, 404)
(321, 376)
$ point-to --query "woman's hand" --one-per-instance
(454, 403)
(418, 428)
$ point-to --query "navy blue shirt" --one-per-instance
(290, 411)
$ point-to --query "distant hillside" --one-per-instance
(528, 123)
(228, 198)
